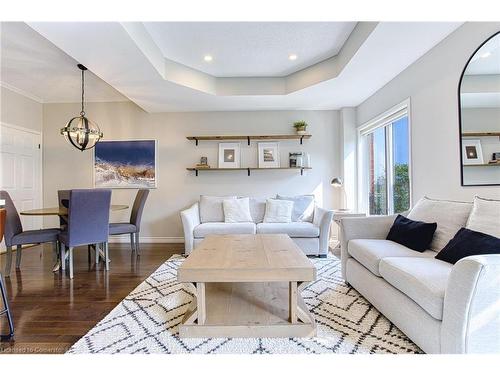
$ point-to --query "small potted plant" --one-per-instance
(300, 127)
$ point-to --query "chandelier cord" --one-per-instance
(82, 113)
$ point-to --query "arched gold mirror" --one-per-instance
(479, 116)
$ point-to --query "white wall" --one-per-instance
(19, 110)
(66, 167)
(432, 84)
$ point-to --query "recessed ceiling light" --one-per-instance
(208, 58)
(485, 55)
(292, 57)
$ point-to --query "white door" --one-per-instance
(20, 174)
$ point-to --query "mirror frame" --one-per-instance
(460, 113)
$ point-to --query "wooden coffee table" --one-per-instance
(247, 286)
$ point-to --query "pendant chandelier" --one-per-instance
(80, 132)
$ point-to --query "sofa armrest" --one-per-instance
(190, 219)
(371, 227)
(323, 220)
(471, 312)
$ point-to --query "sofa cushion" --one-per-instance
(303, 206)
(237, 210)
(278, 211)
(450, 216)
(211, 208)
(258, 209)
(424, 280)
(294, 230)
(370, 252)
(485, 216)
(203, 230)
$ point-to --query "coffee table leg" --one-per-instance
(201, 303)
(293, 302)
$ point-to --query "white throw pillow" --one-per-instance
(450, 216)
(237, 210)
(257, 209)
(278, 211)
(211, 210)
(303, 207)
(485, 216)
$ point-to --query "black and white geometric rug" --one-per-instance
(147, 321)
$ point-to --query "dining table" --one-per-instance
(63, 211)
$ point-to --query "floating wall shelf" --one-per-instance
(481, 134)
(482, 165)
(196, 170)
(248, 138)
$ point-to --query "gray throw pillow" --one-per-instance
(303, 206)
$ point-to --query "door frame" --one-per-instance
(40, 161)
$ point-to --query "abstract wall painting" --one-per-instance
(125, 164)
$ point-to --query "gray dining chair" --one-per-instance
(63, 200)
(134, 226)
(15, 235)
(88, 218)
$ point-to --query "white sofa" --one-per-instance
(311, 236)
(443, 308)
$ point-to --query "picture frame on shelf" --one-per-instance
(472, 152)
(269, 154)
(229, 155)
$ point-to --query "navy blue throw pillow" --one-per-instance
(415, 235)
(466, 243)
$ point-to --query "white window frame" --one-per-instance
(398, 111)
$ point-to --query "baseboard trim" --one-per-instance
(125, 238)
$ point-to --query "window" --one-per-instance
(385, 163)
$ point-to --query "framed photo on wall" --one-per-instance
(125, 164)
(229, 155)
(269, 154)
(472, 153)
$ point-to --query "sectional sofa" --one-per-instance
(206, 217)
(442, 307)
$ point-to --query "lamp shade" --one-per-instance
(336, 182)
(82, 133)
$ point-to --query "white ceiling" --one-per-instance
(487, 59)
(130, 61)
(249, 49)
(31, 64)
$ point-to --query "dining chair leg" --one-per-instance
(19, 254)
(137, 244)
(8, 263)
(132, 245)
(97, 245)
(106, 256)
(55, 251)
(7, 311)
(89, 255)
(70, 262)
(63, 256)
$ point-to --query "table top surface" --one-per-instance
(247, 258)
(61, 211)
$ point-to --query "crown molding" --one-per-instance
(21, 92)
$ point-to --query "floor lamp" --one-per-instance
(338, 184)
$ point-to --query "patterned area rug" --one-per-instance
(147, 321)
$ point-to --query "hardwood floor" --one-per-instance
(51, 312)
